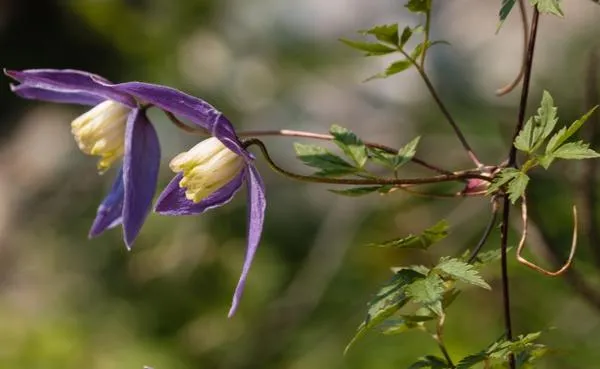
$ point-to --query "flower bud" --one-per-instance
(207, 167)
(101, 132)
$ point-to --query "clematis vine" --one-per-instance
(117, 127)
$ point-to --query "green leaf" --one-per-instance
(487, 257)
(388, 300)
(461, 271)
(505, 9)
(382, 157)
(430, 361)
(516, 187)
(420, 48)
(565, 133)
(501, 348)
(419, 6)
(539, 127)
(328, 163)
(370, 48)
(406, 153)
(394, 326)
(394, 68)
(350, 144)
(506, 175)
(386, 33)
(575, 150)
(406, 35)
(428, 292)
(361, 191)
(431, 235)
(548, 6)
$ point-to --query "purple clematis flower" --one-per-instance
(208, 176)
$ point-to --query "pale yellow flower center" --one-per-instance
(206, 167)
(101, 132)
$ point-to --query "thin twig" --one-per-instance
(511, 86)
(512, 162)
(293, 133)
(512, 157)
(521, 247)
(443, 109)
(458, 176)
(439, 338)
(486, 233)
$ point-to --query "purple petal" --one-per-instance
(33, 93)
(140, 172)
(70, 81)
(256, 214)
(110, 210)
(196, 110)
(172, 200)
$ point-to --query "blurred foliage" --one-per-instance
(68, 303)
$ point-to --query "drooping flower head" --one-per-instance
(115, 128)
(208, 176)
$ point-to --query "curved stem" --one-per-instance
(486, 233)
(511, 86)
(458, 176)
(439, 338)
(293, 133)
(443, 109)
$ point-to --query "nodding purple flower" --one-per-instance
(208, 176)
(116, 127)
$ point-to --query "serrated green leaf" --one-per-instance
(385, 32)
(430, 361)
(350, 144)
(565, 133)
(506, 175)
(406, 35)
(370, 48)
(548, 6)
(516, 187)
(406, 153)
(539, 127)
(501, 348)
(428, 292)
(461, 271)
(394, 68)
(431, 235)
(575, 150)
(361, 191)
(471, 360)
(328, 163)
(418, 6)
(388, 300)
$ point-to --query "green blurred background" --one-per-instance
(67, 302)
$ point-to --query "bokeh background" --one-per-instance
(67, 302)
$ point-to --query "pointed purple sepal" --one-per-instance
(70, 81)
(140, 173)
(257, 204)
(110, 211)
